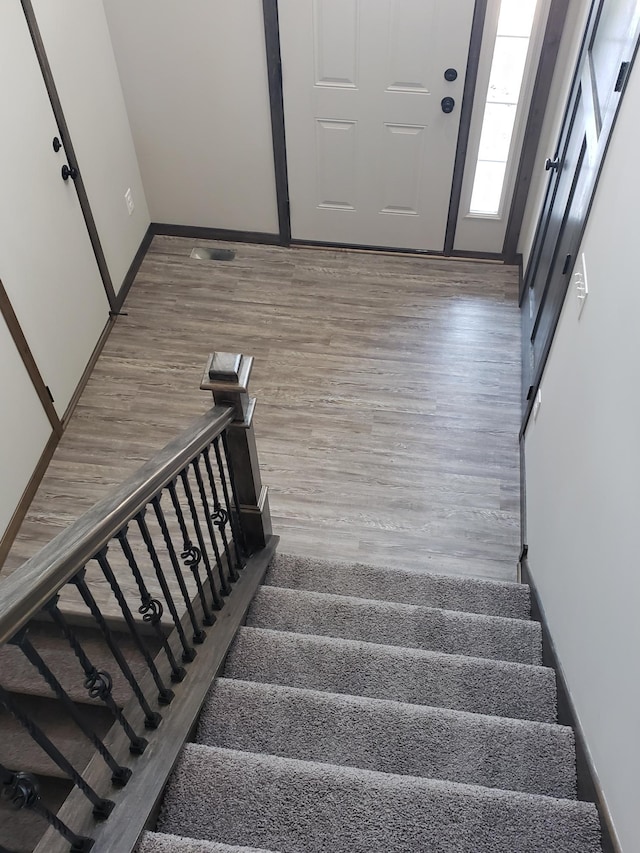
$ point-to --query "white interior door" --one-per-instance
(47, 263)
(370, 150)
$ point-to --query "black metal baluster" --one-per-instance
(199, 635)
(119, 775)
(151, 718)
(22, 791)
(188, 652)
(97, 682)
(151, 609)
(102, 808)
(225, 589)
(190, 554)
(217, 600)
(165, 695)
(236, 524)
(220, 516)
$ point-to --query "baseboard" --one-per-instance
(27, 496)
(133, 269)
(589, 788)
(82, 384)
(228, 235)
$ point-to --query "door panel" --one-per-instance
(370, 151)
(335, 44)
(47, 263)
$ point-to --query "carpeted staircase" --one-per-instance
(365, 710)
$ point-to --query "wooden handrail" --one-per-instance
(29, 588)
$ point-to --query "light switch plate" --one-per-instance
(580, 283)
(536, 404)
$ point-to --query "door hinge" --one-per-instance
(49, 393)
(622, 76)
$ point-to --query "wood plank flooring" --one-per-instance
(388, 399)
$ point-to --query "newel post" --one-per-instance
(227, 377)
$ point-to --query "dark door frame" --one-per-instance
(546, 67)
(72, 160)
(557, 280)
(274, 71)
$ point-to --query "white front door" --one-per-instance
(47, 264)
(370, 149)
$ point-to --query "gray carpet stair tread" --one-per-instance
(391, 737)
(288, 805)
(394, 624)
(19, 676)
(156, 842)
(18, 750)
(418, 677)
(473, 595)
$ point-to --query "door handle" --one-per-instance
(447, 105)
(69, 172)
(552, 165)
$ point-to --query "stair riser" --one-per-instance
(390, 737)
(391, 624)
(280, 804)
(384, 672)
(446, 591)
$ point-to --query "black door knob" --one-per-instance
(69, 172)
(550, 164)
(57, 145)
(450, 75)
(447, 105)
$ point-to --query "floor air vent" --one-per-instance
(201, 254)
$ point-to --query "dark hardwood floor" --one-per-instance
(388, 399)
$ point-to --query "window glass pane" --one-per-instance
(496, 131)
(487, 187)
(509, 58)
(516, 17)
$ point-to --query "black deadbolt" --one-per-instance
(69, 172)
(57, 145)
(447, 105)
(450, 75)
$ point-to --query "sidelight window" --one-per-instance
(511, 49)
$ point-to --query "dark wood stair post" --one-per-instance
(227, 377)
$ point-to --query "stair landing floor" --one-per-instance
(388, 399)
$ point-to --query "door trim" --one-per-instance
(72, 160)
(276, 96)
(468, 96)
(15, 330)
(276, 101)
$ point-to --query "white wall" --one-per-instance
(558, 93)
(24, 427)
(86, 77)
(583, 483)
(195, 81)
